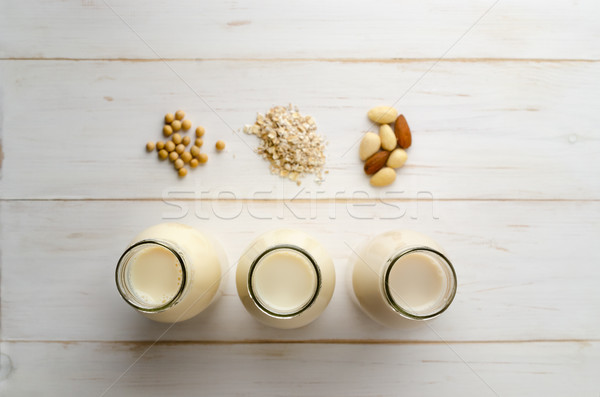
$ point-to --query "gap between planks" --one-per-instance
(303, 341)
(302, 200)
(330, 60)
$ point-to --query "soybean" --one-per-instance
(176, 125)
(169, 146)
(186, 157)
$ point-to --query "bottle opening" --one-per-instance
(284, 281)
(419, 283)
(151, 275)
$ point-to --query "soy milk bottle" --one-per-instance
(170, 272)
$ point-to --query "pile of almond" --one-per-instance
(384, 152)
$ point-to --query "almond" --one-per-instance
(402, 132)
(376, 162)
(369, 145)
(388, 139)
(397, 158)
(382, 114)
(383, 177)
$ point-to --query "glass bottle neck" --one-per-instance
(152, 275)
(303, 301)
(448, 283)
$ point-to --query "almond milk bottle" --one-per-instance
(402, 275)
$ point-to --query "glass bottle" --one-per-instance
(402, 275)
(285, 279)
(170, 272)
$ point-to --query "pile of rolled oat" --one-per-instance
(290, 142)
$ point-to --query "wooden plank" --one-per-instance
(526, 270)
(504, 369)
(511, 130)
(307, 29)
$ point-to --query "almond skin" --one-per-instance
(402, 132)
(376, 162)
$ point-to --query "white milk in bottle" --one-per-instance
(402, 275)
(285, 279)
(170, 272)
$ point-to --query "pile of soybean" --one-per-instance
(175, 149)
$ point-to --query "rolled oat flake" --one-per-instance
(290, 142)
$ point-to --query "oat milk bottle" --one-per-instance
(285, 279)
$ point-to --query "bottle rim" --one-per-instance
(387, 290)
(257, 301)
(122, 283)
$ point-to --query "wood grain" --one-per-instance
(503, 130)
(526, 270)
(503, 173)
(301, 29)
(533, 369)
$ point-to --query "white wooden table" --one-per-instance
(503, 99)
